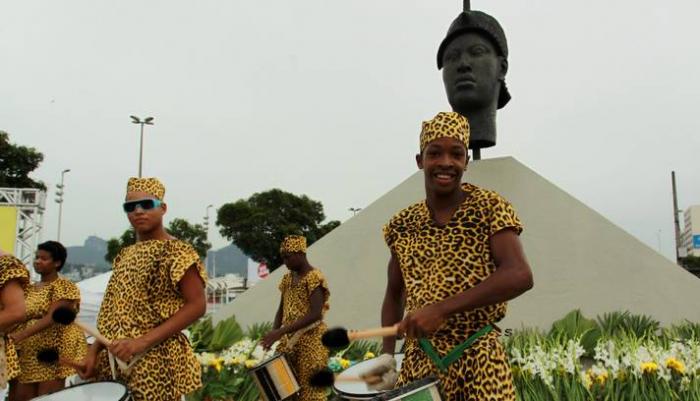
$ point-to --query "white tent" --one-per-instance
(92, 290)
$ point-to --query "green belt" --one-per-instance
(456, 353)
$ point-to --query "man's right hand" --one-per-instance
(383, 375)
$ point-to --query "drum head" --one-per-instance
(96, 391)
(354, 390)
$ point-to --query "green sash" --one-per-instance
(456, 353)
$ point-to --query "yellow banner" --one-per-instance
(8, 228)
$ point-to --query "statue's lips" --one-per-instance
(465, 82)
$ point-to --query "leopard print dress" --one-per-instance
(68, 340)
(307, 355)
(11, 268)
(439, 261)
(143, 293)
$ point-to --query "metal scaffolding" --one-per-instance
(30, 204)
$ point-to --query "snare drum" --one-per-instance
(94, 391)
(354, 390)
(275, 379)
(421, 390)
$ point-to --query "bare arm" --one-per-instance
(45, 322)
(392, 307)
(12, 298)
(278, 316)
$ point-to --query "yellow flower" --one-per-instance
(344, 363)
(217, 363)
(601, 378)
(251, 363)
(369, 355)
(649, 367)
(676, 365)
(588, 382)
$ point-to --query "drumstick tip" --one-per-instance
(63, 315)
(322, 378)
(336, 338)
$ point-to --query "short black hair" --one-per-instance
(57, 251)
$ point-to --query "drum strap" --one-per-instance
(456, 353)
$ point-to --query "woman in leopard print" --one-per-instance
(156, 290)
(455, 260)
(14, 279)
(39, 331)
(302, 306)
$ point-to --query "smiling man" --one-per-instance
(456, 258)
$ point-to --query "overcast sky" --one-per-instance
(325, 98)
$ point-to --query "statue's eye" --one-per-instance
(452, 56)
(478, 50)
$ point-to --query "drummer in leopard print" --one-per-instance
(299, 323)
(456, 259)
(156, 291)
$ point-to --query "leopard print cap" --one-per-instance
(293, 243)
(149, 185)
(445, 124)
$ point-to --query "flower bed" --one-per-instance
(619, 357)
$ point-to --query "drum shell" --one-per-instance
(359, 391)
(275, 379)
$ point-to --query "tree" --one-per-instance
(178, 228)
(258, 225)
(16, 163)
(195, 234)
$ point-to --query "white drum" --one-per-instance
(354, 390)
(94, 391)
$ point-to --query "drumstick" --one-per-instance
(50, 355)
(340, 337)
(326, 378)
(66, 316)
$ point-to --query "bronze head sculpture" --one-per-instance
(473, 57)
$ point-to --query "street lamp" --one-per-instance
(354, 210)
(146, 121)
(59, 199)
(206, 231)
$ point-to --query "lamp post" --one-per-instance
(354, 210)
(59, 199)
(145, 121)
(206, 237)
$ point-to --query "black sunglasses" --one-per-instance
(145, 204)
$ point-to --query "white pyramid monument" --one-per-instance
(578, 257)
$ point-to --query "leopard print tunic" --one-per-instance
(68, 340)
(308, 355)
(438, 262)
(11, 268)
(143, 293)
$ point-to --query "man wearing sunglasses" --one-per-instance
(156, 290)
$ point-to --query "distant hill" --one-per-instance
(92, 253)
(228, 259)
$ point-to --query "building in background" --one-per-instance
(690, 238)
